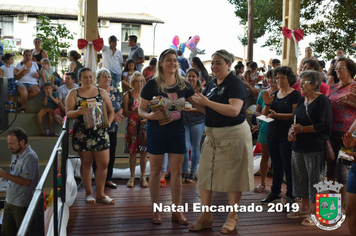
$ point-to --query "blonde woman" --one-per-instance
(133, 126)
(169, 138)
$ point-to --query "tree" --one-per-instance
(332, 22)
(53, 37)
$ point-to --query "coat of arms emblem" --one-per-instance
(328, 206)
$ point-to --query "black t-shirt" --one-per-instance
(320, 113)
(278, 129)
(175, 100)
(231, 87)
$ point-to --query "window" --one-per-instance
(129, 30)
(7, 26)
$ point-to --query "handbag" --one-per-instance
(142, 138)
(330, 155)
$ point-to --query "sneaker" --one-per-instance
(289, 201)
(272, 198)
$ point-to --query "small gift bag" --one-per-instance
(102, 114)
(96, 116)
(158, 104)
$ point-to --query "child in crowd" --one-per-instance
(46, 74)
(7, 71)
(50, 102)
(129, 69)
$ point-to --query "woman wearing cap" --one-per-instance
(150, 70)
(169, 137)
(226, 163)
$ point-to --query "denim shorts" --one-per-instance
(27, 85)
(163, 139)
(11, 87)
(351, 181)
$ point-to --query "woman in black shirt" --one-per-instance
(280, 106)
(226, 163)
(313, 120)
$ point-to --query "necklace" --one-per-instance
(171, 86)
(281, 94)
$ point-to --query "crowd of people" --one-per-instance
(306, 109)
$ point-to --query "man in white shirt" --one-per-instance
(112, 60)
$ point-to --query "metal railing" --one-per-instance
(33, 222)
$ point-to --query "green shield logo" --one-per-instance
(328, 207)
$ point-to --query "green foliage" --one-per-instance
(332, 23)
(53, 38)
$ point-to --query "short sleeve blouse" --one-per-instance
(231, 87)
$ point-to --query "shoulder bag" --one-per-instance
(330, 155)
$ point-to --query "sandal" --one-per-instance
(162, 183)
(184, 177)
(298, 215)
(90, 199)
(259, 188)
(199, 226)
(143, 182)
(230, 225)
(131, 182)
(191, 178)
(156, 220)
(106, 200)
(308, 221)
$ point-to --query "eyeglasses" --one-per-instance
(304, 82)
(340, 68)
(139, 81)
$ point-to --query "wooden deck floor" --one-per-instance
(132, 211)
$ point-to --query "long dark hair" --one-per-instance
(127, 65)
(202, 68)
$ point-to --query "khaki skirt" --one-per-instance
(226, 162)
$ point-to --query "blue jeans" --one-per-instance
(115, 79)
(281, 156)
(192, 140)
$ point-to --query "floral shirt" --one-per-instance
(116, 101)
